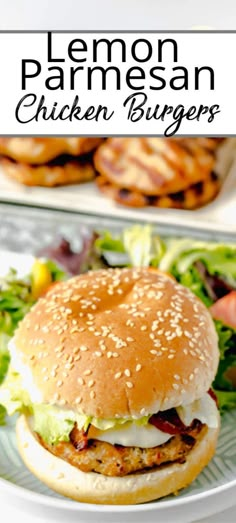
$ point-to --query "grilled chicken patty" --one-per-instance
(116, 460)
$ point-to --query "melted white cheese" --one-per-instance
(203, 409)
(132, 435)
(146, 436)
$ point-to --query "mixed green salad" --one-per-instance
(17, 295)
(207, 268)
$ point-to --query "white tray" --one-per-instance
(86, 198)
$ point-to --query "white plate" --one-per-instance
(213, 491)
(86, 198)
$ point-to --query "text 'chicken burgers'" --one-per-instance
(111, 371)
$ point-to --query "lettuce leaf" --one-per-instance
(13, 396)
(181, 254)
(144, 248)
(54, 424)
(226, 400)
(2, 415)
(137, 246)
(4, 356)
(223, 387)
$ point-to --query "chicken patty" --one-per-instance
(116, 460)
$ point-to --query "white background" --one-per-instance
(116, 14)
(194, 49)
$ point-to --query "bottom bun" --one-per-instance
(90, 487)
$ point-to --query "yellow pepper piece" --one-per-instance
(41, 278)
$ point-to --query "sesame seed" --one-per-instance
(91, 383)
(80, 381)
(74, 329)
(83, 348)
(170, 356)
(129, 384)
(138, 367)
(187, 334)
(59, 383)
(56, 396)
(78, 400)
(92, 394)
(87, 372)
(175, 386)
(109, 354)
(69, 366)
(153, 351)
(142, 412)
(127, 373)
(177, 377)
(117, 375)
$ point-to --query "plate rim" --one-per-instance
(71, 505)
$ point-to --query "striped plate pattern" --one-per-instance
(220, 472)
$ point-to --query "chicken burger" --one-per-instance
(111, 372)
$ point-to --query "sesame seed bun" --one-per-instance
(97, 488)
(117, 343)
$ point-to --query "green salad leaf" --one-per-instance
(181, 254)
(226, 400)
(143, 247)
(139, 244)
(57, 274)
(4, 355)
(16, 299)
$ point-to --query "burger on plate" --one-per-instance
(111, 372)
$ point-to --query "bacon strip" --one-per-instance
(79, 438)
(168, 421)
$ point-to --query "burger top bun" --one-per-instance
(117, 343)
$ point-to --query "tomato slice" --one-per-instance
(224, 309)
